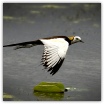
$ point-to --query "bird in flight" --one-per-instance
(55, 49)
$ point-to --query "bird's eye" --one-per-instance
(77, 39)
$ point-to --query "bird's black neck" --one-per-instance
(67, 39)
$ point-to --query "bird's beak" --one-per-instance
(81, 41)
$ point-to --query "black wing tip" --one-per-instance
(54, 70)
(52, 73)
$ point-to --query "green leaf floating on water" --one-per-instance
(8, 97)
(49, 87)
(5, 96)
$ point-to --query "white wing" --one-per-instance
(54, 54)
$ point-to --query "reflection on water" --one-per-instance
(48, 96)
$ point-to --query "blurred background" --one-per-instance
(81, 70)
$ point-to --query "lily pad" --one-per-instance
(49, 87)
(7, 96)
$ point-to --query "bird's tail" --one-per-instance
(25, 44)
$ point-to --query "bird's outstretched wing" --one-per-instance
(54, 55)
(54, 51)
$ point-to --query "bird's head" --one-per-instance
(75, 39)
